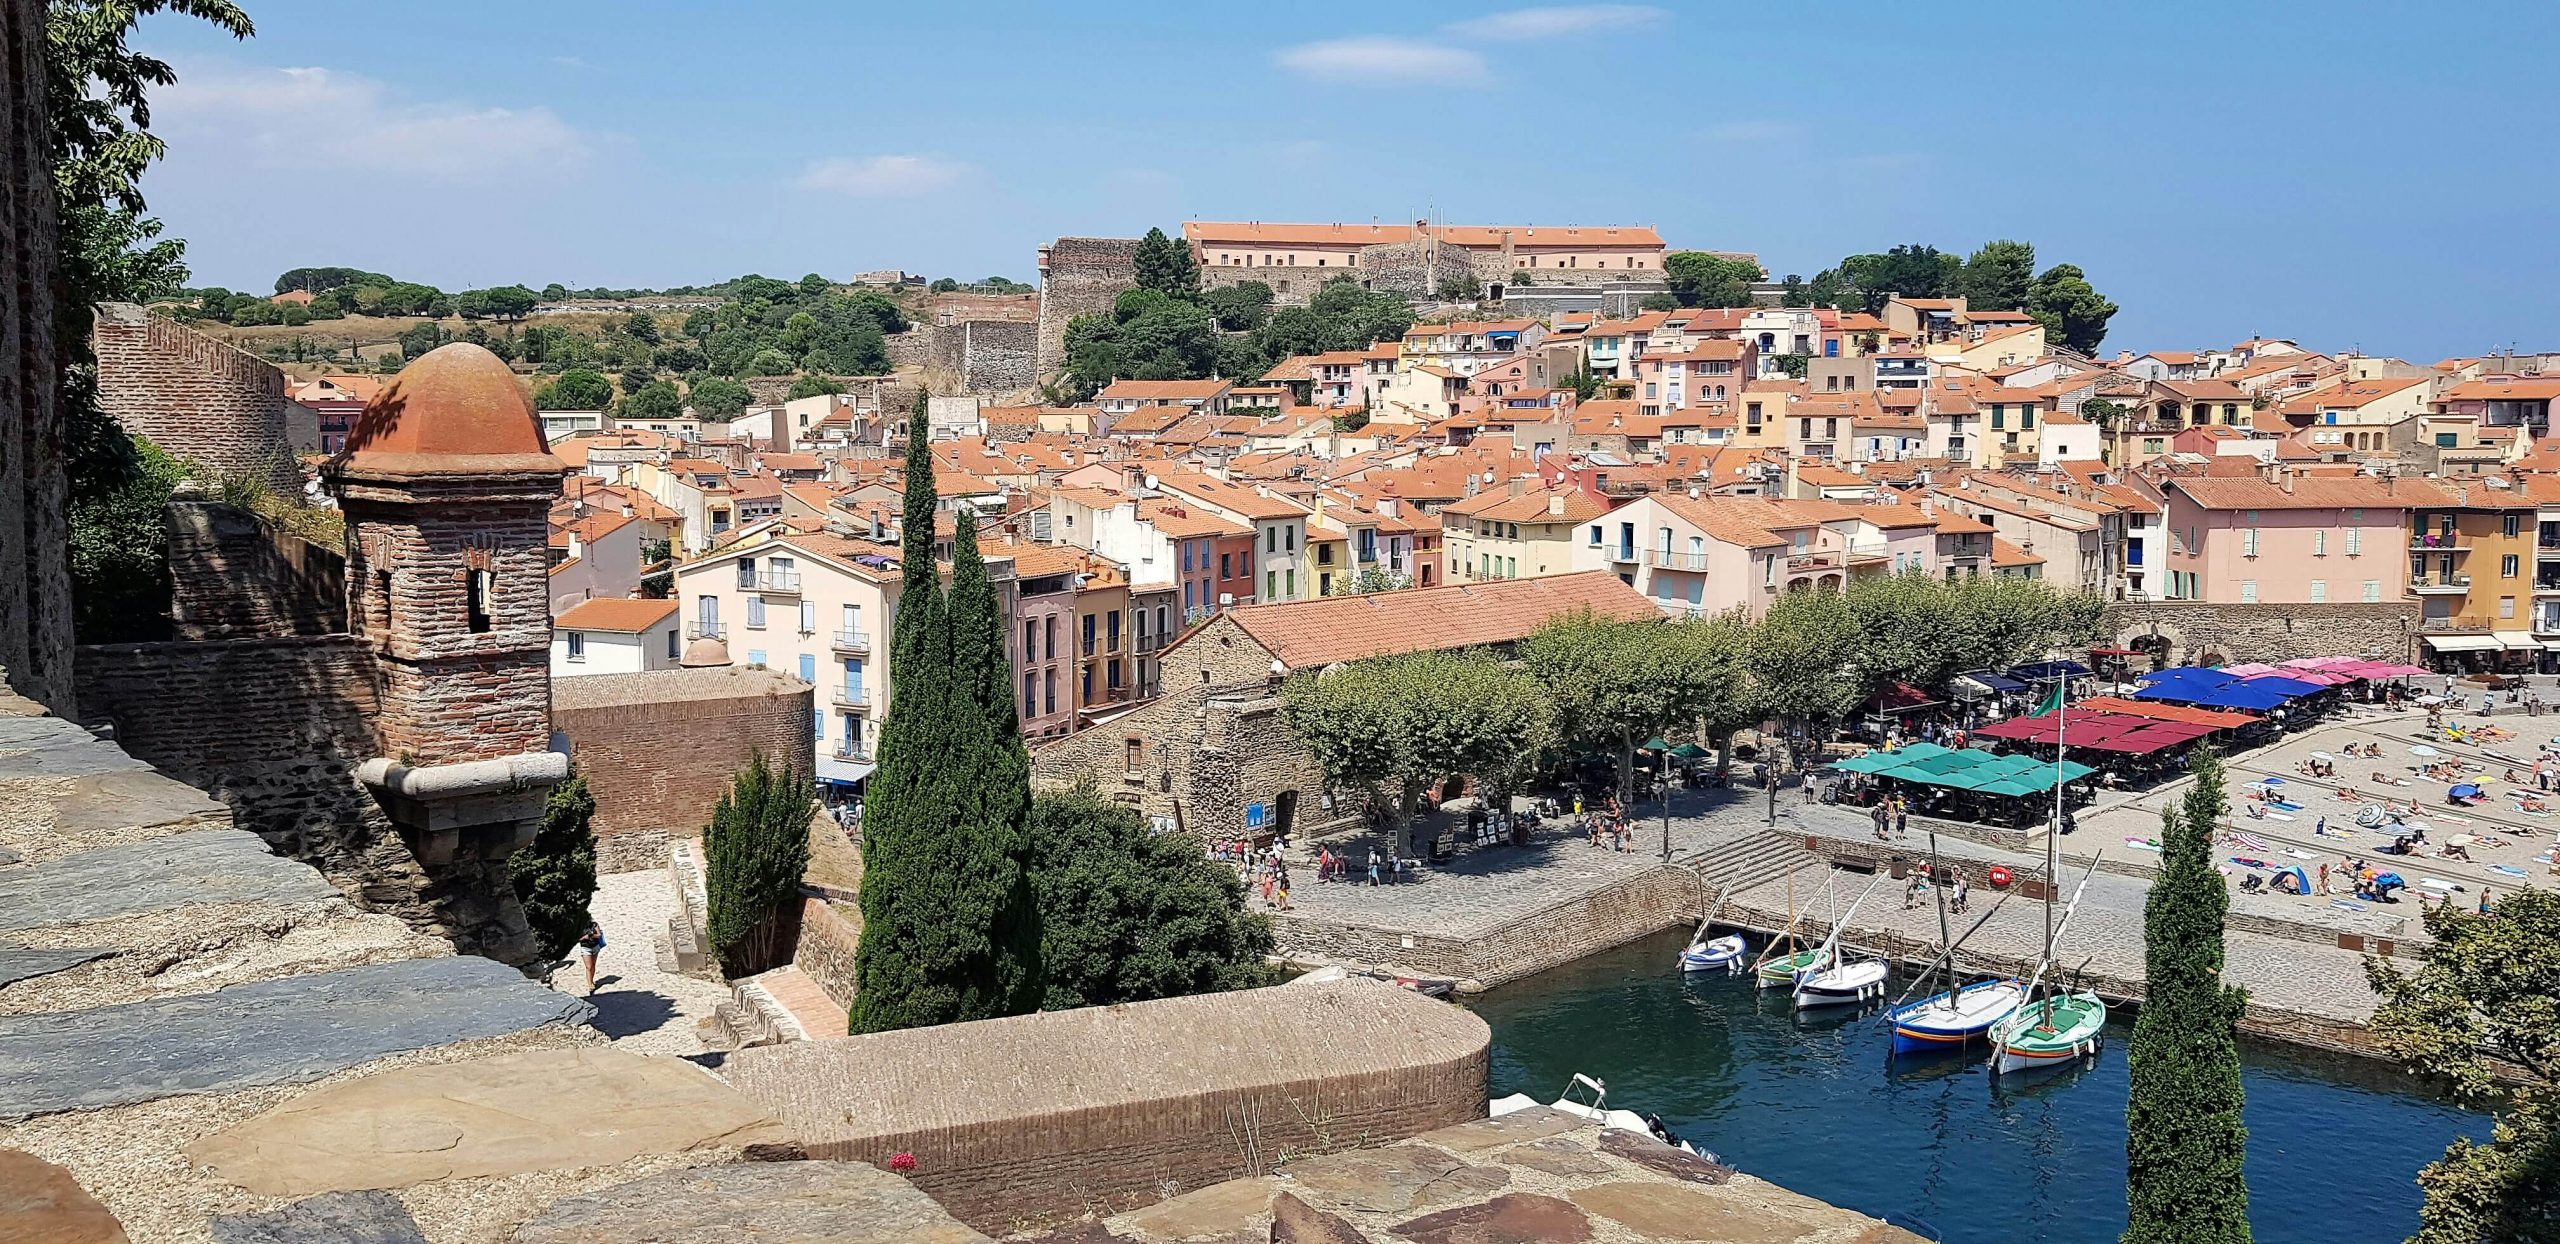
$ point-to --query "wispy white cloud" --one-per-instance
(1754, 132)
(1522, 25)
(1381, 60)
(882, 176)
(295, 118)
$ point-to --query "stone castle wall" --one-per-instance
(195, 397)
(826, 948)
(35, 575)
(657, 763)
(237, 577)
(2197, 632)
(989, 356)
(1079, 276)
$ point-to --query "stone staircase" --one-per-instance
(1752, 860)
(687, 948)
(749, 1019)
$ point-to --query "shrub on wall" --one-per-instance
(754, 853)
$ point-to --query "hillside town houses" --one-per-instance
(1709, 459)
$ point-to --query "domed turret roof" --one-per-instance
(456, 410)
(703, 653)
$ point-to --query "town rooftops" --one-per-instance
(2004, 553)
(1312, 634)
(614, 614)
(2305, 493)
(1164, 390)
(1562, 504)
(1224, 494)
(2516, 389)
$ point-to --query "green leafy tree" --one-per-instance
(2185, 1142)
(574, 390)
(1585, 386)
(679, 358)
(1996, 277)
(1165, 265)
(715, 397)
(418, 339)
(2488, 992)
(1659, 302)
(2071, 310)
(120, 549)
(951, 926)
(1389, 727)
(1127, 914)
(1241, 307)
(754, 853)
(1794, 366)
(814, 386)
(2102, 412)
(1460, 287)
(324, 280)
(1616, 684)
(1794, 292)
(555, 876)
(657, 399)
(1700, 279)
(643, 326)
(1803, 672)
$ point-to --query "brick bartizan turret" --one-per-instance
(446, 482)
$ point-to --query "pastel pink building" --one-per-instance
(2301, 541)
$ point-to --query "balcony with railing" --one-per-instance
(1623, 553)
(851, 753)
(852, 695)
(782, 582)
(2435, 542)
(2439, 584)
(1668, 560)
(2453, 626)
(1152, 642)
(852, 643)
(706, 630)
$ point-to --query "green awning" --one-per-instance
(1689, 751)
(1872, 762)
(1655, 744)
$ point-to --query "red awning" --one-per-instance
(2116, 652)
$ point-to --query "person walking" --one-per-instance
(591, 948)
(1373, 866)
(1956, 901)
(1901, 817)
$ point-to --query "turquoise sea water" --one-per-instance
(1810, 1104)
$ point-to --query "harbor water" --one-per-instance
(1933, 1143)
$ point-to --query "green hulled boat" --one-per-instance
(1780, 971)
(2050, 1031)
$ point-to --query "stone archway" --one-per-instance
(2163, 642)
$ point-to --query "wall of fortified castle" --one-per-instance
(1079, 276)
(988, 356)
(450, 694)
(35, 576)
(235, 576)
(657, 763)
(193, 396)
(2200, 632)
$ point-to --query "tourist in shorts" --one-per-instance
(590, 948)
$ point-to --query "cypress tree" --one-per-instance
(949, 930)
(555, 877)
(2185, 1141)
(754, 853)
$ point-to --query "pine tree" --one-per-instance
(754, 853)
(950, 929)
(2185, 1141)
(555, 876)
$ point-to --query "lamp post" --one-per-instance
(1666, 805)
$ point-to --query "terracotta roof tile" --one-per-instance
(611, 614)
(1315, 633)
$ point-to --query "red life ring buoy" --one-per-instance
(1999, 875)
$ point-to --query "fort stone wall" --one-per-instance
(197, 398)
(1079, 276)
(660, 747)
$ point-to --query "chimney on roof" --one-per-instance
(1518, 485)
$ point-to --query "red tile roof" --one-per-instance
(1315, 633)
(613, 614)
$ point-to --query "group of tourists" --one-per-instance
(1891, 816)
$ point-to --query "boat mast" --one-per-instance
(1937, 883)
(2061, 721)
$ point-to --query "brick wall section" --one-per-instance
(1079, 276)
(2196, 631)
(1112, 1107)
(235, 576)
(193, 396)
(828, 938)
(35, 577)
(660, 747)
(450, 694)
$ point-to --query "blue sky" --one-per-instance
(2356, 175)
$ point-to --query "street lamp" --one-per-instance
(1666, 805)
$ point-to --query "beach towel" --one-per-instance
(2279, 816)
(2142, 844)
(2286, 804)
(2302, 855)
(2344, 905)
(2438, 884)
(2509, 869)
(2252, 843)
(2248, 861)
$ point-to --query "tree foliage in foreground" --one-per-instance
(2489, 990)
(2185, 1140)
(555, 876)
(754, 853)
(1389, 727)
(1127, 914)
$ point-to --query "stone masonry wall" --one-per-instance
(1645, 904)
(197, 398)
(2198, 632)
(235, 576)
(826, 948)
(657, 767)
(1079, 276)
(35, 577)
(995, 356)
